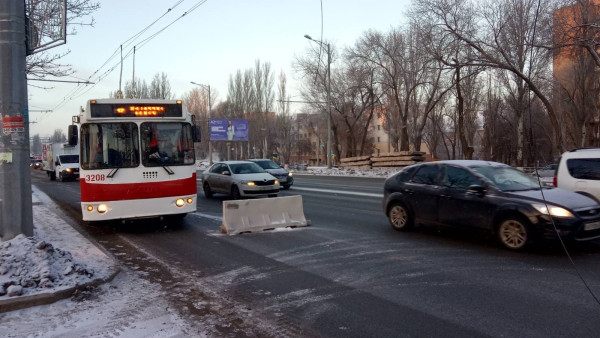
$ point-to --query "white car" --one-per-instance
(239, 179)
(579, 170)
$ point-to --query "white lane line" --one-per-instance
(215, 218)
(339, 192)
(334, 191)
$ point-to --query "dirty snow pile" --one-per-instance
(324, 171)
(375, 172)
(28, 266)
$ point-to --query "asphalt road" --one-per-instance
(350, 274)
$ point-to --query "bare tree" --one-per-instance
(137, 89)
(197, 104)
(249, 94)
(58, 136)
(44, 64)
(492, 39)
(387, 53)
(160, 87)
(284, 123)
(36, 145)
(576, 27)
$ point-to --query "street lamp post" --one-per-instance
(210, 162)
(328, 97)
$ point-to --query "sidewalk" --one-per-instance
(52, 265)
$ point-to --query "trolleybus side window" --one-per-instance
(109, 145)
(167, 144)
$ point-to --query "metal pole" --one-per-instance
(328, 107)
(210, 161)
(16, 216)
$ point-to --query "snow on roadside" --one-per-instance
(324, 171)
(30, 266)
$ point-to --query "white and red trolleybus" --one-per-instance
(136, 159)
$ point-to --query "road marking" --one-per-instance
(335, 191)
(216, 218)
(340, 192)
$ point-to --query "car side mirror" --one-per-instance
(226, 173)
(479, 190)
(196, 134)
(73, 137)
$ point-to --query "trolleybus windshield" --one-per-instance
(117, 145)
(109, 145)
(167, 144)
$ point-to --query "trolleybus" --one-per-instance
(136, 159)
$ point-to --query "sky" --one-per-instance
(206, 46)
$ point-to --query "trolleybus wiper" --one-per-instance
(112, 173)
(168, 170)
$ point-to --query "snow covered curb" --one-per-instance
(375, 172)
(53, 264)
(323, 171)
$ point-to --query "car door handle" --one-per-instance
(408, 191)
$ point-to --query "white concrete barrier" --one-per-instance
(262, 214)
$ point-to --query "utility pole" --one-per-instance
(16, 216)
(321, 43)
(329, 164)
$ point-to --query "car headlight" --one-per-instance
(276, 182)
(552, 210)
(249, 183)
(290, 174)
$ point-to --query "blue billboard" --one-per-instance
(228, 130)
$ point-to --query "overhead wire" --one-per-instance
(564, 247)
(81, 89)
(140, 45)
(132, 38)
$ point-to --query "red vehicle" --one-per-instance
(136, 159)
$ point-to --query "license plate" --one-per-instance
(283, 179)
(592, 226)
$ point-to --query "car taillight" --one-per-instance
(554, 181)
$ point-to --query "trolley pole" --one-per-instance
(16, 216)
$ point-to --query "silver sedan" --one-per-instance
(239, 179)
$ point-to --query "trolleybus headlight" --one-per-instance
(190, 200)
(90, 208)
(102, 208)
(180, 202)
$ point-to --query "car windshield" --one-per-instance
(246, 168)
(69, 158)
(268, 164)
(507, 178)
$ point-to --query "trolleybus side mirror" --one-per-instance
(72, 135)
(196, 134)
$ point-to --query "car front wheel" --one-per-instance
(235, 193)
(513, 233)
(399, 217)
(207, 191)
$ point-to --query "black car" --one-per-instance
(285, 177)
(491, 196)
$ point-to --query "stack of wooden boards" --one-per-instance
(396, 159)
